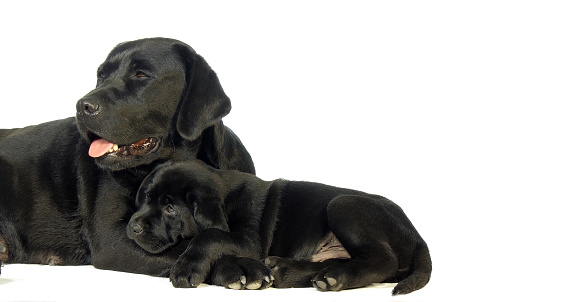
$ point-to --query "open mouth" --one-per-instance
(102, 147)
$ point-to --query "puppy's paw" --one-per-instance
(289, 273)
(3, 249)
(329, 280)
(187, 273)
(278, 267)
(241, 273)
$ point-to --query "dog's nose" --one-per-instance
(89, 107)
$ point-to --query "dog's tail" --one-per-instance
(419, 273)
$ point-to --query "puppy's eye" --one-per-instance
(141, 74)
(101, 75)
(169, 209)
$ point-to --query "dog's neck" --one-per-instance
(133, 177)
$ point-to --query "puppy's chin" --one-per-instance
(154, 246)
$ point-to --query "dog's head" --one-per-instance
(174, 202)
(151, 95)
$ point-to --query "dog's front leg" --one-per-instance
(3, 250)
(193, 266)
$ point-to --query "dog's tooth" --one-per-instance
(113, 149)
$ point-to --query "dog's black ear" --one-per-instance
(209, 214)
(204, 102)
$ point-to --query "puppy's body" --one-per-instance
(66, 199)
(329, 237)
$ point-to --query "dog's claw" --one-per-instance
(255, 285)
(237, 285)
(321, 285)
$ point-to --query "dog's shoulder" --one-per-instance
(221, 148)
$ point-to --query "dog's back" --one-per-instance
(38, 181)
(6, 132)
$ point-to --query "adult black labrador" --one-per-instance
(68, 186)
(318, 235)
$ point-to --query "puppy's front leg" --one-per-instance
(194, 265)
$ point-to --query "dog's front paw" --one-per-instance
(187, 272)
(3, 250)
(241, 273)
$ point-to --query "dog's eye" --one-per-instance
(101, 75)
(141, 74)
(169, 209)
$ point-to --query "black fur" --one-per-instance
(310, 234)
(3, 252)
(60, 206)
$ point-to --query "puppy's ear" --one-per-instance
(209, 214)
(204, 102)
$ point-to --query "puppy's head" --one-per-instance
(174, 202)
(151, 96)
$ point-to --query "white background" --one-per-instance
(458, 111)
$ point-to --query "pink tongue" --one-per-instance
(99, 147)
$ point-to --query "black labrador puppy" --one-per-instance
(69, 186)
(317, 235)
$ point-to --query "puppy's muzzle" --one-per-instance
(134, 228)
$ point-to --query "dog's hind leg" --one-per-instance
(289, 273)
(369, 228)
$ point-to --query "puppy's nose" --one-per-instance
(89, 107)
(135, 228)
